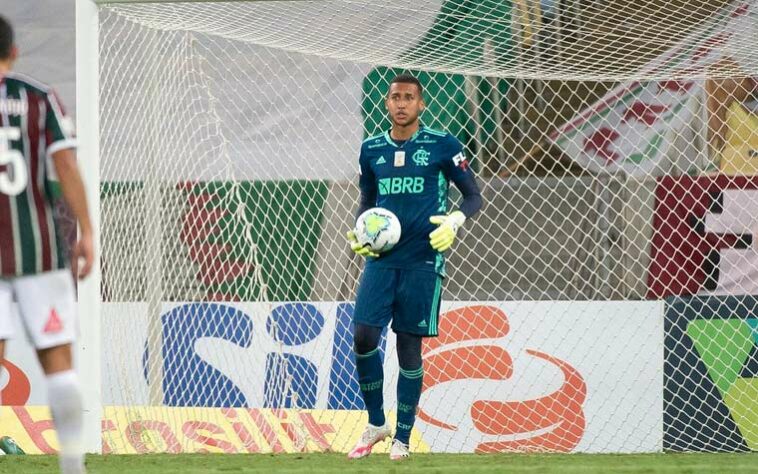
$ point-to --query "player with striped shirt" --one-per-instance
(36, 155)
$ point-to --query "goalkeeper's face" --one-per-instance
(404, 103)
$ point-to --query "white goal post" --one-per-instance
(88, 356)
(605, 299)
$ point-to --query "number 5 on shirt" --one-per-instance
(11, 183)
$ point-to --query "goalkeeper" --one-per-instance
(406, 170)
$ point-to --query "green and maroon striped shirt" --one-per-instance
(32, 127)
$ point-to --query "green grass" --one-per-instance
(424, 463)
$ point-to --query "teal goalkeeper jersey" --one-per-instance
(412, 179)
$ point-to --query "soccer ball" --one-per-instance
(377, 229)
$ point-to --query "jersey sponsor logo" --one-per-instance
(53, 324)
(13, 107)
(461, 161)
(421, 157)
(376, 144)
(426, 140)
(381, 161)
(401, 185)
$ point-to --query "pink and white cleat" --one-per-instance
(399, 450)
(371, 435)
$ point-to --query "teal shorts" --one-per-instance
(409, 298)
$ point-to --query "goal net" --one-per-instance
(603, 300)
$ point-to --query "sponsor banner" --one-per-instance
(651, 128)
(640, 129)
(711, 374)
(31, 427)
(703, 232)
(505, 376)
(141, 430)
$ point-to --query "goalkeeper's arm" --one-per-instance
(442, 237)
(472, 197)
(367, 185)
(368, 189)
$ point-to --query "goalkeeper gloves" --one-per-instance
(363, 251)
(444, 235)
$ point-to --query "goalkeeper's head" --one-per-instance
(8, 51)
(405, 100)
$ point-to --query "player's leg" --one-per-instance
(409, 385)
(368, 364)
(373, 311)
(48, 309)
(65, 398)
(419, 297)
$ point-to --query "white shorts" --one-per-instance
(47, 306)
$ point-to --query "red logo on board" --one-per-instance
(554, 422)
(17, 388)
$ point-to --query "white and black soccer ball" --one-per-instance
(377, 229)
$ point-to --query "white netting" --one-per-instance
(600, 302)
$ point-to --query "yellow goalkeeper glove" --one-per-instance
(444, 235)
(361, 250)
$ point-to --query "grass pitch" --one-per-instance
(379, 463)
